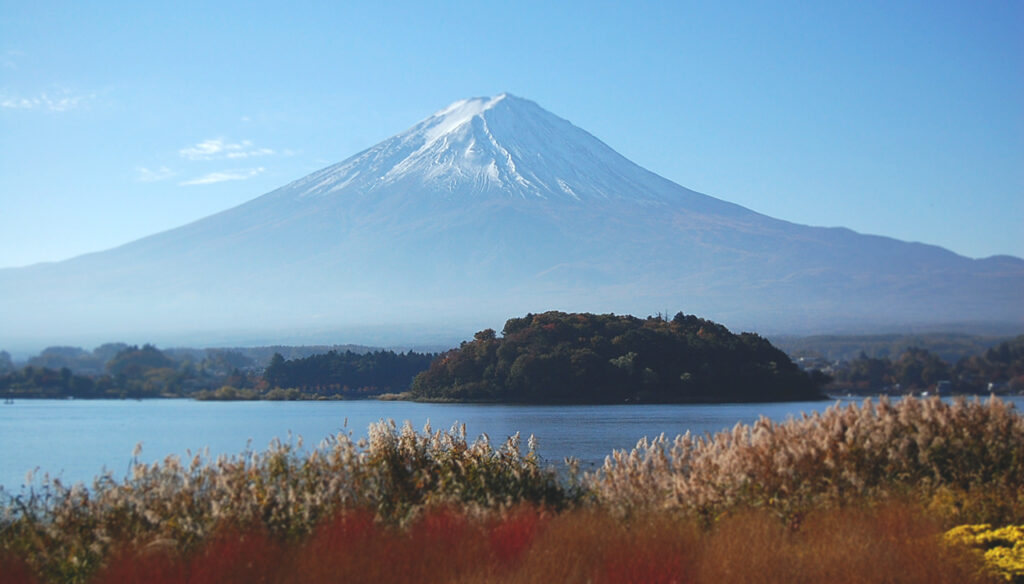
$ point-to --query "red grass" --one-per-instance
(156, 566)
(349, 545)
(230, 557)
(888, 543)
(14, 570)
(438, 546)
(891, 543)
(351, 532)
(652, 550)
(513, 535)
(443, 542)
(630, 565)
(237, 557)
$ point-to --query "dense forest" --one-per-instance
(562, 357)
(335, 373)
(128, 371)
(121, 371)
(546, 357)
(999, 369)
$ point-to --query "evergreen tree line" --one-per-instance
(146, 371)
(918, 369)
(548, 357)
(339, 373)
(120, 371)
(133, 371)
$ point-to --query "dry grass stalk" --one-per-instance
(66, 532)
(701, 509)
(926, 447)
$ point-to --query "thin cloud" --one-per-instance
(251, 153)
(223, 176)
(62, 101)
(218, 148)
(150, 175)
(204, 150)
(9, 59)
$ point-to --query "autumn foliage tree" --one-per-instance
(581, 357)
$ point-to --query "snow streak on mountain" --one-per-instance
(490, 208)
(492, 146)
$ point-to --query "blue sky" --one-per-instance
(118, 120)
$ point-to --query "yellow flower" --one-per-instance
(1006, 562)
(1002, 548)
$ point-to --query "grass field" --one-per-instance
(865, 493)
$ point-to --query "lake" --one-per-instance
(77, 439)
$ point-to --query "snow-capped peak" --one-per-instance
(502, 146)
(458, 114)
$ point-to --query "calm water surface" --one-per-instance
(76, 440)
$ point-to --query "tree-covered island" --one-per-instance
(546, 358)
(558, 357)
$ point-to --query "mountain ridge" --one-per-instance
(492, 207)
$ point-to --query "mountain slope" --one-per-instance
(492, 207)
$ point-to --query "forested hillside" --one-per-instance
(589, 358)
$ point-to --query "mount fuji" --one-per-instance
(491, 208)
